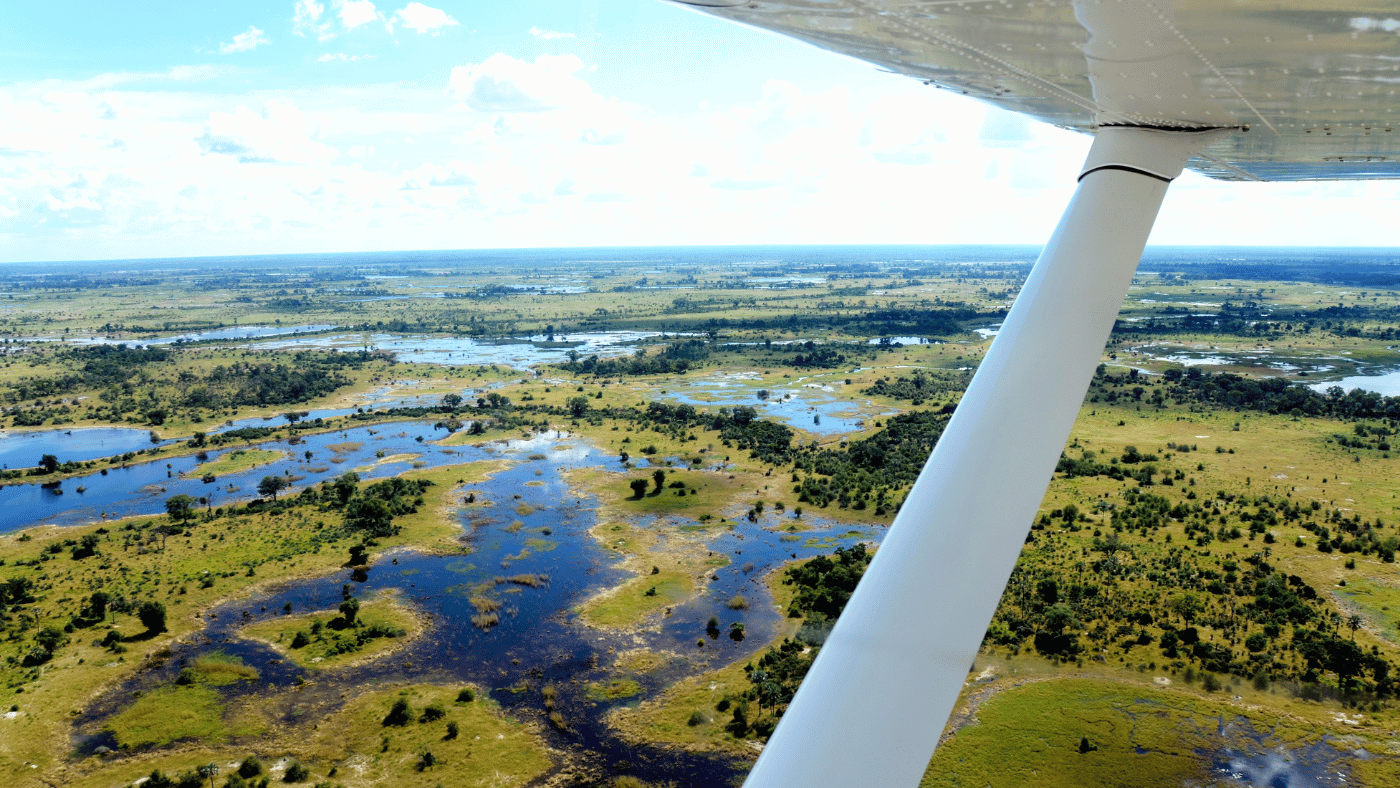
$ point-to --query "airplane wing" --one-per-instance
(1235, 89)
(1315, 83)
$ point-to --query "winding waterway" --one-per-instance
(540, 640)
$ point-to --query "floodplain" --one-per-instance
(472, 521)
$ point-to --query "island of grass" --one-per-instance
(396, 737)
(188, 709)
(353, 632)
(238, 460)
(188, 567)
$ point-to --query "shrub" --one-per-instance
(399, 714)
(467, 695)
(452, 730)
(296, 773)
(737, 602)
(432, 713)
(300, 640)
(697, 718)
(251, 767)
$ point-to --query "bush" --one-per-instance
(399, 714)
(152, 615)
(251, 767)
(432, 713)
(296, 773)
(737, 602)
(697, 718)
(300, 640)
(467, 695)
(1209, 682)
(452, 730)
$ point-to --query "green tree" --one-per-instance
(152, 615)
(639, 487)
(343, 488)
(578, 406)
(49, 463)
(371, 515)
(349, 609)
(271, 485)
(179, 507)
(97, 605)
(659, 476)
(210, 771)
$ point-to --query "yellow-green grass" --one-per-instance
(490, 749)
(1272, 455)
(666, 719)
(614, 689)
(631, 602)
(219, 552)
(640, 660)
(321, 651)
(1030, 735)
(238, 460)
(220, 668)
(387, 460)
(708, 493)
(168, 714)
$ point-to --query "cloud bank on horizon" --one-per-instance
(351, 125)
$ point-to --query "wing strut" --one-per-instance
(879, 695)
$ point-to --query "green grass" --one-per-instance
(1030, 735)
(1380, 604)
(322, 651)
(614, 689)
(630, 603)
(169, 714)
(238, 460)
(220, 668)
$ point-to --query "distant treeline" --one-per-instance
(133, 385)
(1266, 395)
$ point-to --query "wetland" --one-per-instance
(540, 525)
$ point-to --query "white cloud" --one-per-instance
(246, 41)
(306, 20)
(424, 19)
(280, 134)
(457, 174)
(549, 35)
(502, 83)
(1366, 24)
(332, 56)
(354, 13)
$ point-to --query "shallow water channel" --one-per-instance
(539, 640)
(374, 452)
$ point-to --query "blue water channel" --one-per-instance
(23, 449)
(539, 640)
(132, 489)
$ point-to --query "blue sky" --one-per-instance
(143, 129)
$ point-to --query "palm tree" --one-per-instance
(210, 770)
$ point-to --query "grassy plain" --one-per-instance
(322, 652)
(353, 745)
(1287, 459)
(216, 560)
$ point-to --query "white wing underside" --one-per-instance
(1315, 84)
